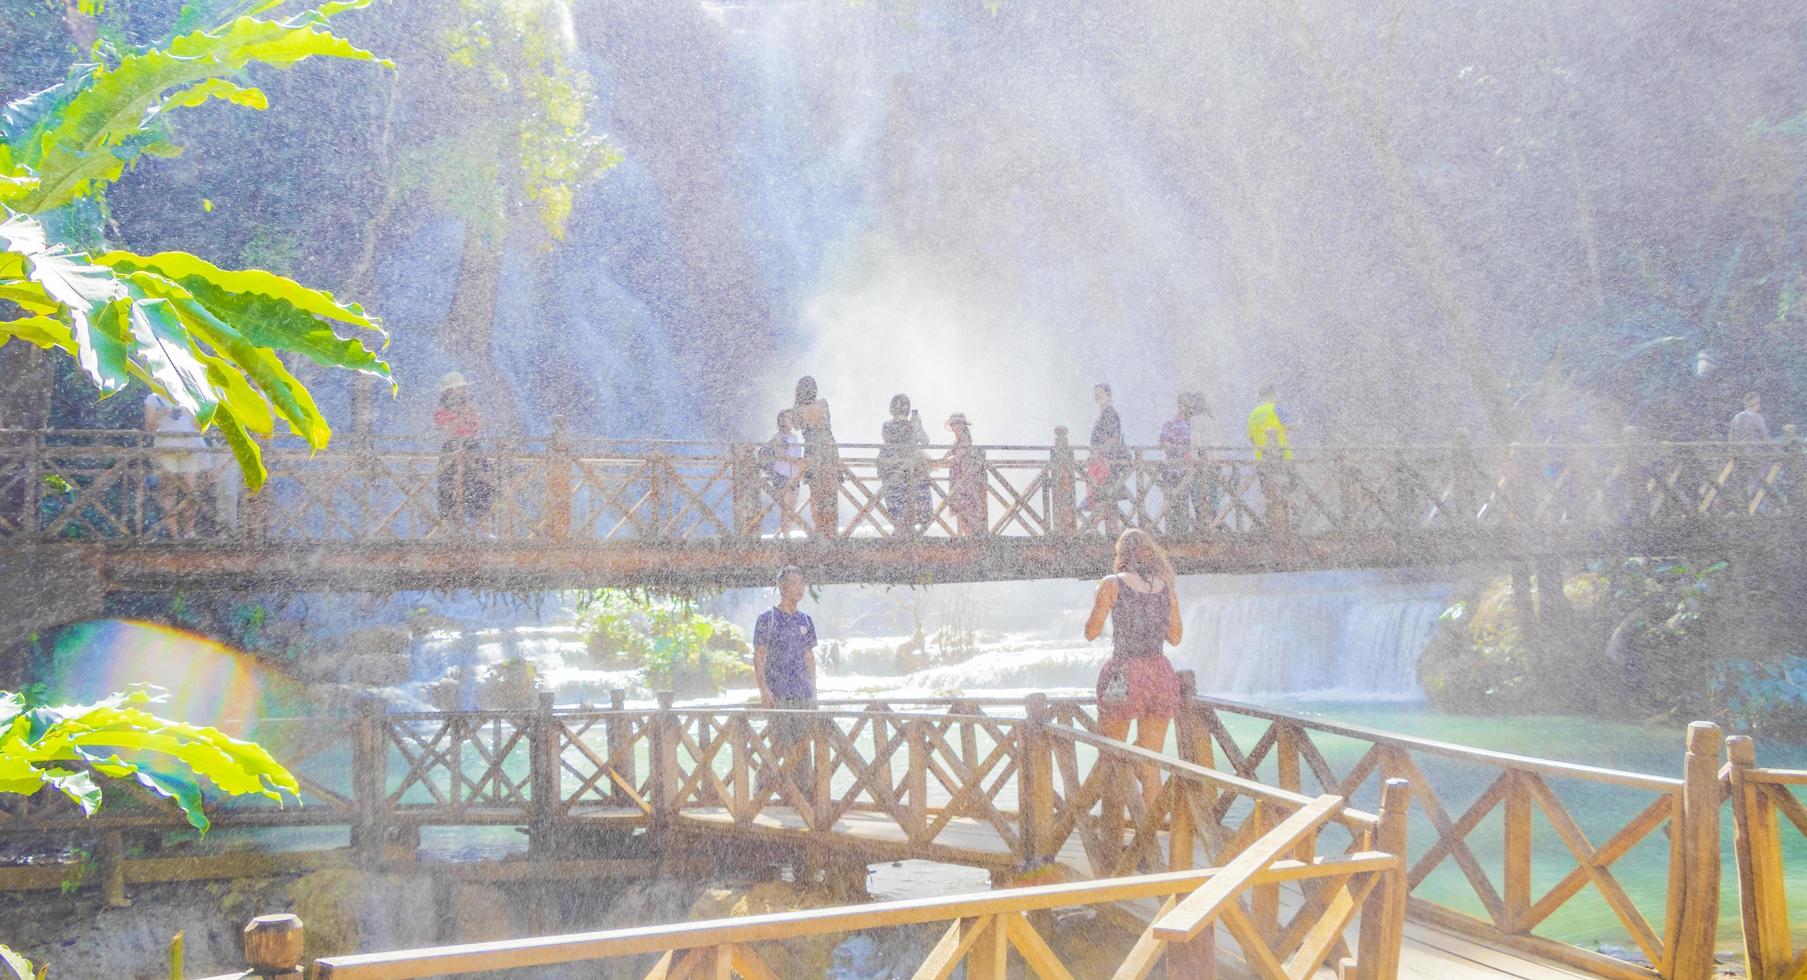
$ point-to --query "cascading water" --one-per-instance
(1321, 635)
(1363, 642)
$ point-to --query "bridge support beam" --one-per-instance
(36, 596)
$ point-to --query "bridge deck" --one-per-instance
(556, 515)
(1429, 953)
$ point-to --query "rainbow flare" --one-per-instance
(207, 682)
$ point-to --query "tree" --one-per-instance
(208, 339)
(67, 746)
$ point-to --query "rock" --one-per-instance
(481, 913)
(809, 956)
(376, 670)
(349, 910)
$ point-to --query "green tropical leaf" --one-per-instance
(244, 449)
(118, 739)
(42, 331)
(17, 967)
(86, 293)
(83, 133)
(216, 88)
(193, 271)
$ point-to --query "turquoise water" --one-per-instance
(1600, 810)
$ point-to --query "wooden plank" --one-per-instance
(1033, 948)
(1200, 908)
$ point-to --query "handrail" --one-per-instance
(1215, 777)
(1201, 908)
(1506, 760)
(1348, 881)
(581, 947)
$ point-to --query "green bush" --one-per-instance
(677, 647)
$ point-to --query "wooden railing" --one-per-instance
(983, 930)
(1013, 785)
(97, 486)
(1498, 902)
(1762, 799)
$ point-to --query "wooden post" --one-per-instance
(1518, 851)
(559, 469)
(1383, 914)
(619, 730)
(821, 794)
(109, 856)
(369, 779)
(273, 946)
(1286, 756)
(1694, 917)
(1035, 798)
(664, 764)
(743, 473)
(1194, 738)
(657, 467)
(543, 775)
(1063, 506)
(1762, 900)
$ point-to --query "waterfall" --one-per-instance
(1360, 641)
(1321, 635)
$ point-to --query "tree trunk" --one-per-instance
(470, 329)
(1423, 243)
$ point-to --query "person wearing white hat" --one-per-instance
(965, 478)
(466, 487)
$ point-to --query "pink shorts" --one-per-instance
(1148, 688)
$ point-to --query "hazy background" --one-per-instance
(1402, 213)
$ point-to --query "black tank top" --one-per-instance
(1139, 621)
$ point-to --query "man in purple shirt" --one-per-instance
(784, 663)
(1188, 504)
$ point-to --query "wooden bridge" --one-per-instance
(1309, 845)
(559, 513)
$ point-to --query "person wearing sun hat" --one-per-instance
(465, 483)
(965, 478)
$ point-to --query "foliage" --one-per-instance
(1632, 643)
(66, 746)
(512, 63)
(1768, 698)
(678, 647)
(205, 338)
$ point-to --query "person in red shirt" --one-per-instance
(465, 484)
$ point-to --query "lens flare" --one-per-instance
(208, 683)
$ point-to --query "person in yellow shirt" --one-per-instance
(1265, 419)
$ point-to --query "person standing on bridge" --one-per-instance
(1265, 425)
(1188, 501)
(1104, 470)
(822, 469)
(1138, 682)
(903, 467)
(965, 478)
(784, 664)
(465, 483)
(182, 462)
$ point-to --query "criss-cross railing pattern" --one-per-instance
(1765, 802)
(1475, 876)
(1029, 786)
(459, 763)
(113, 487)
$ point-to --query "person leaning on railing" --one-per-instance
(465, 483)
(1138, 682)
